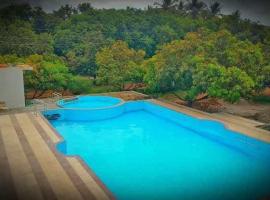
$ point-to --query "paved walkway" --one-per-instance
(31, 168)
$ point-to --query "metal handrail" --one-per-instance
(37, 102)
(56, 96)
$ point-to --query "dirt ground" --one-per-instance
(259, 112)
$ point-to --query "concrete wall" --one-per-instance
(12, 87)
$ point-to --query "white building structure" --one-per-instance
(12, 86)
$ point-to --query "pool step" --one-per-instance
(55, 116)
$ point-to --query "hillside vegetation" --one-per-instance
(172, 46)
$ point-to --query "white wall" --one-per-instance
(12, 87)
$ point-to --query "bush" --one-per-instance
(79, 85)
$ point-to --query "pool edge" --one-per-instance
(121, 102)
(260, 134)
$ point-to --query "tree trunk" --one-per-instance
(35, 93)
(41, 93)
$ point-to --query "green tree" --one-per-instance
(227, 83)
(173, 65)
(118, 64)
(215, 8)
(81, 58)
(19, 38)
(64, 12)
(65, 40)
(49, 73)
(195, 7)
(39, 23)
(79, 85)
(164, 34)
(211, 56)
(11, 59)
(166, 4)
(16, 12)
(266, 76)
(85, 7)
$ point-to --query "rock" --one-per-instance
(201, 96)
(180, 102)
(210, 105)
(133, 86)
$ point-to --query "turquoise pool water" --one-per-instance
(90, 102)
(144, 151)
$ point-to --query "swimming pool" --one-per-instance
(89, 102)
(141, 150)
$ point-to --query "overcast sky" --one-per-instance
(256, 10)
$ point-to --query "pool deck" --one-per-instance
(31, 168)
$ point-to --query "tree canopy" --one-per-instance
(214, 62)
(167, 47)
(119, 64)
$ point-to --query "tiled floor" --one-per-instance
(31, 168)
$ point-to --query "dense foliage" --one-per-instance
(176, 45)
(118, 65)
(214, 62)
(49, 73)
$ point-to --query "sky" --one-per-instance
(256, 10)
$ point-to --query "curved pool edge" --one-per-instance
(59, 102)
